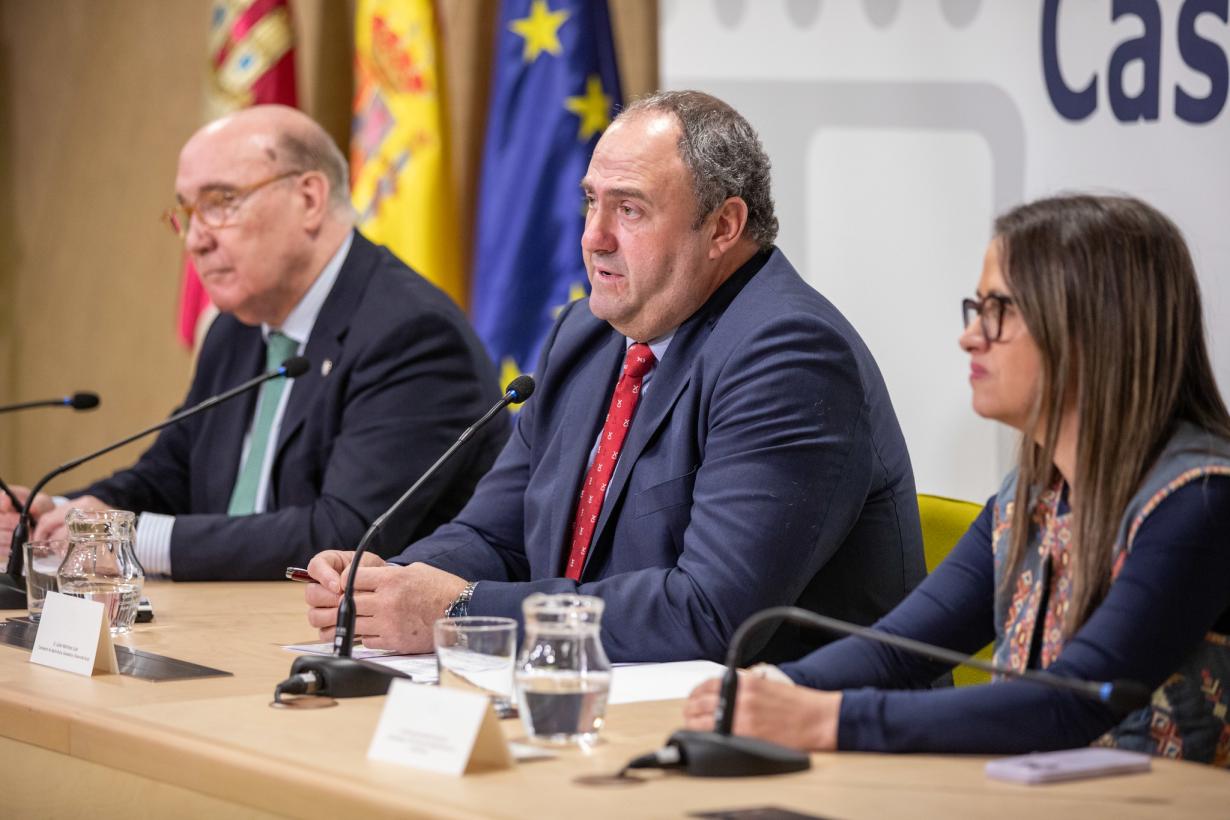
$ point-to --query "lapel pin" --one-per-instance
(326, 367)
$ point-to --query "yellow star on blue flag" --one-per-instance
(540, 30)
(594, 108)
(547, 114)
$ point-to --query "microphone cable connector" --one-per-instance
(302, 683)
(668, 757)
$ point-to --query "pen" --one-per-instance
(299, 574)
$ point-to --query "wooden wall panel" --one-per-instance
(96, 98)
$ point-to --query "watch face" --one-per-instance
(460, 607)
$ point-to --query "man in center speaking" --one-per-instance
(709, 435)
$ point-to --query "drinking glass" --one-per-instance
(43, 559)
(476, 653)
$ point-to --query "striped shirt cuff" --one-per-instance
(154, 543)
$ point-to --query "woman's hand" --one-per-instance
(783, 713)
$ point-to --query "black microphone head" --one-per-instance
(1125, 696)
(520, 388)
(82, 401)
(295, 366)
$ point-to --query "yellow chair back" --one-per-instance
(944, 521)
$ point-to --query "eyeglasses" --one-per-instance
(990, 311)
(216, 207)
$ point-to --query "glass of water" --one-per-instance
(101, 564)
(476, 653)
(43, 559)
(563, 675)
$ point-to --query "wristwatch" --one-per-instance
(461, 604)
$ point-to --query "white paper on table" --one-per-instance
(490, 673)
(420, 668)
(632, 683)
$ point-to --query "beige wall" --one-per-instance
(96, 96)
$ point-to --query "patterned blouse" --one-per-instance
(1190, 713)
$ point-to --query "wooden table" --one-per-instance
(121, 747)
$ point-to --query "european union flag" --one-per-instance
(555, 89)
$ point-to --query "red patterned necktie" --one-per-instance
(614, 431)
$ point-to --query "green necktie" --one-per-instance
(243, 497)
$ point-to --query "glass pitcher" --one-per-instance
(101, 564)
(563, 676)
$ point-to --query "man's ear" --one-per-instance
(729, 222)
(313, 192)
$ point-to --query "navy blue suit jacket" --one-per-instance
(764, 466)
(406, 376)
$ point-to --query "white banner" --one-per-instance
(899, 129)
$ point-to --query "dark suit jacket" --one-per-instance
(407, 375)
(764, 466)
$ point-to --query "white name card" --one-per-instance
(74, 635)
(439, 730)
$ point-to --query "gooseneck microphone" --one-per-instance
(12, 585)
(721, 754)
(340, 675)
(77, 401)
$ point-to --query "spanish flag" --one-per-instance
(251, 62)
(399, 157)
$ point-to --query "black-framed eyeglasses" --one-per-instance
(990, 312)
(216, 207)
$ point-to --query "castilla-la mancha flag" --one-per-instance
(399, 150)
(251, 62)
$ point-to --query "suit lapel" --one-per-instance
(670, 378)
(325, 344)
(228, 421)
(586, 408)
(668, 383)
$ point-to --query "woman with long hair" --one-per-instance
(1105, 555)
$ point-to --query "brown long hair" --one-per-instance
(1107, 288)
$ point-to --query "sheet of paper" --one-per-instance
(631, 683)
(74, 635)
(439, 730)
(420, 668)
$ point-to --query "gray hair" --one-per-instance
(724, 155)
(312, 149)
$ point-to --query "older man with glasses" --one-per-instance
(396, 373)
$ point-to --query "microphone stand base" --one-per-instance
(709, 754)
(12, 592)
(346, 677)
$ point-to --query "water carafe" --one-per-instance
(101, 564)
(562, 675)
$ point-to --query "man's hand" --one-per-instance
(395, 606)
(329, 569)
(51, 522)
(794, 716)
(9, 515)
(42, 502)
